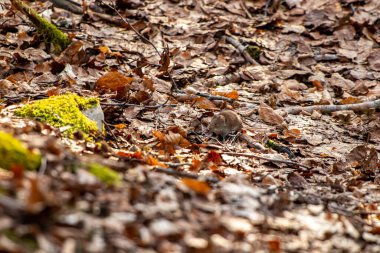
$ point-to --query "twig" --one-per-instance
(186, 175)
(145, 106)
(333, 108)
(110, 131)
(68, 5)
(267, 159)
(241, 49)
(133, 28)
(43, 166)
(176, 165)
(212, 97)
(223, 79)
(175, 87)
(326, 57)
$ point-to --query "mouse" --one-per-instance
(225, 123)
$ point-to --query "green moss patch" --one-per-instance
(105, 174)
(63, 110)
(14, 153)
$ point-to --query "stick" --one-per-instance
(186, 175)
(267, 159)
(333, 108)
(241, 49)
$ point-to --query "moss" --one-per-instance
(13, 153)
(49, 32)
(63, 110)
(254, 52)
(105, 174)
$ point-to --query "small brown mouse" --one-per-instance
(224, 123)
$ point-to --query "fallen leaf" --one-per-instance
(204, 103)
(231, 94)
(199, 187)
(165, 60)
(113, 81)
(268, 115)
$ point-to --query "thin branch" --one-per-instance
(213, 97)
(133, 28)
(106, 125)
(144, 106)
(241, 49)
(267, 159)
(186, 175)
(333, 108)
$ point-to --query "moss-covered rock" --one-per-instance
(105, 174)
(63, 110)
(14, 153)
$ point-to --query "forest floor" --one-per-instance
(293, 180)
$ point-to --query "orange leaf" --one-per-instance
(199, 187)
(113, 81)
(104, 50)
(318, 85)
(214, 157)
(154, 162)
(120, 126)
(195, 165)
(232, 94)
(53, 92)
(159, 135)
(35, 194)
(295, 133)
(204, 103)
(136, 155)
(350, 100)
(148, 83)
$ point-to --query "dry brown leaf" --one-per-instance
(148, 83)
(268, 115)
(204, 103)
(165, 60)
(113, 81)
(176, 140)
(142, 96)
(179, 130)
(214, 157)
(53, 91)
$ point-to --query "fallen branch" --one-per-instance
(186, 175)
(68, 5)
(241, 49)
(297, 164)
(213, 97)
(332, 108)
(49, 32)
